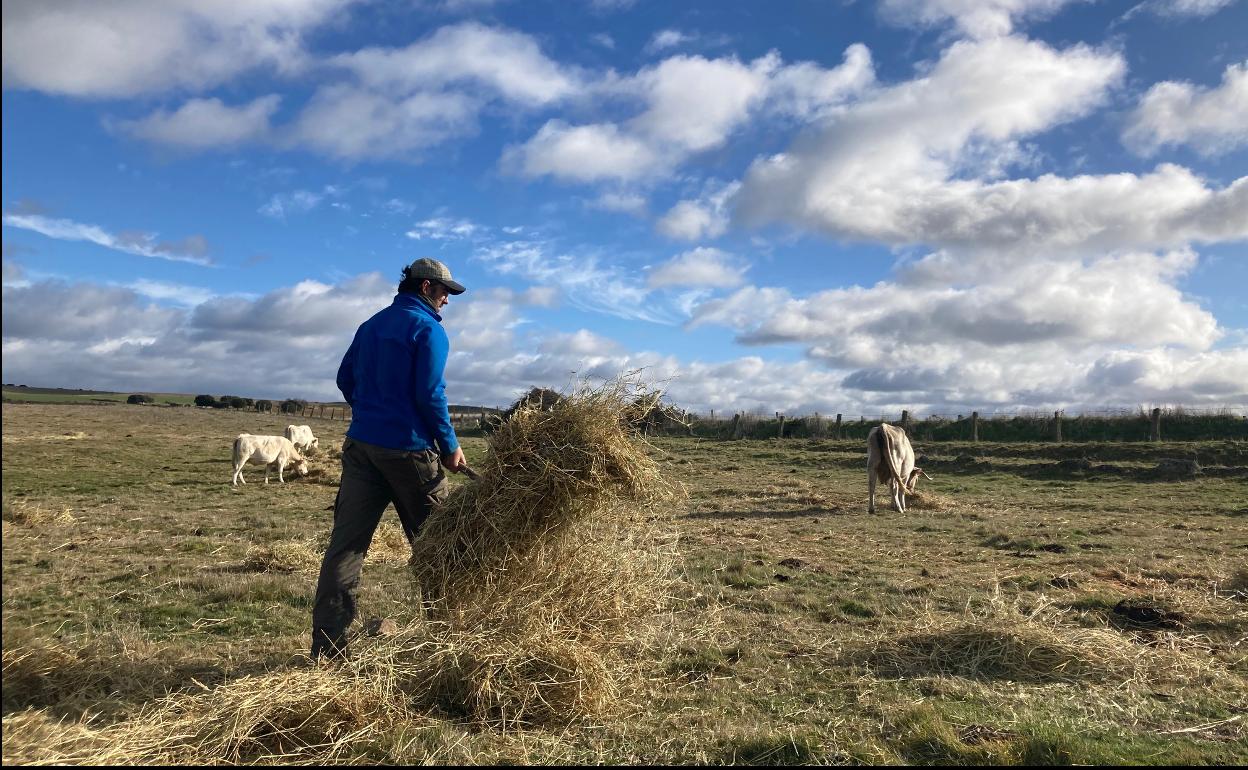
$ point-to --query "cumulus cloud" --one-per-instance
(193, 249)
(289, 342)
(583, 154)
(506, 62)
(888, 168)
(707, 217)
(1213, 120)
(347, 121)
(690, 104)
(702, 266)
(205, 123)
(102, 50)
(398, 102)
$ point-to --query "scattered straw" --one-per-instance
(389, 545)
(1037, 645)
(33, 515)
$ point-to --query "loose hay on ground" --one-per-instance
(389, 545)
(1035, 645)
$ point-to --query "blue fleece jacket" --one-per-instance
(393, 378)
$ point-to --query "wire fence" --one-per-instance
(1113, 424)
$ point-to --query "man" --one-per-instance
(399, 442)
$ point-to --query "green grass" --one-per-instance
(787, 580)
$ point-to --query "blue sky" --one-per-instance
(827, 206)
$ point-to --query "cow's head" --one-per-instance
(913, 481)
(316, 443)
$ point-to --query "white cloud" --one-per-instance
(398, 102)
(204, 123)
(707, 217)
(666, 38)
(505, 62)
(691, 104)
(130, 47)
(293, 339)
(583, 153)
(296, 201)
(1196, 8)
(1213, 120)
(702, 266)
(346, 121)
(582, 280)
(977, 18)
(178, 294)
(443, 229)
(886, 167)
(624, 202)
(193, 249)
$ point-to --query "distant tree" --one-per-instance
(139, 398)
(204, 400)
(236, 402)
(293, 405)
(264, 406)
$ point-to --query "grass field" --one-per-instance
(1039, 604)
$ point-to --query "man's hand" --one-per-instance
(454, 462)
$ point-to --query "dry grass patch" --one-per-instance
(389, 545)
(1037, 645)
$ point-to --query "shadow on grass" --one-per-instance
(745, 515)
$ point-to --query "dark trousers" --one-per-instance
(372, 478)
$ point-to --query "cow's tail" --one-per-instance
(886, 456)
(238, 451)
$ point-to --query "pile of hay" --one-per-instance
(550, 564)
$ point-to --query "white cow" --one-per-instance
(268, 451)
(301, 436)
(890, 459)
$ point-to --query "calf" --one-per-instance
(890, 459)
(301, 436)
(268, 451)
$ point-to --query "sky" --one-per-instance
(825, 206)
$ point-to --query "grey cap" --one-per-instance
(433, 270)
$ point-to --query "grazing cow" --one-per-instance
(301, 436)
(268, 451)
(890, 459)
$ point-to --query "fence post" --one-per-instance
(838, 427)
(736, 426)
(905, 420)
(1057, 426)
(1156, 432)
(974, 426)
(780, 432)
